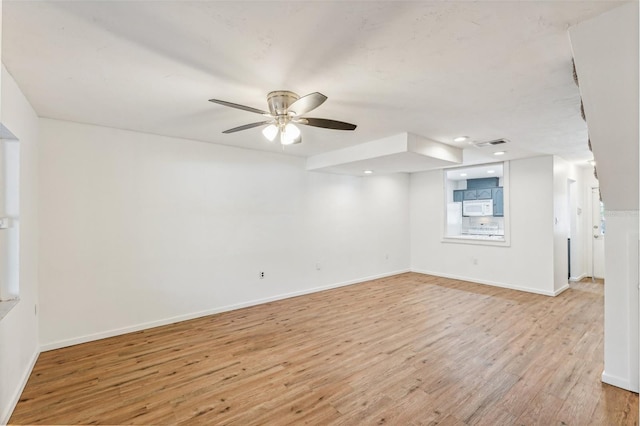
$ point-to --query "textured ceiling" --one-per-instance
(436, 69)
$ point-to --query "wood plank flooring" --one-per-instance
(406, 350)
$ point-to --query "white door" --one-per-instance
(597, 234)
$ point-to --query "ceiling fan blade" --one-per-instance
(247, 126)
(307, 103)
(327, 124)
(238, 106)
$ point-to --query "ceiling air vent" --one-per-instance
(491, 143)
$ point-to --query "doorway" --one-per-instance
(574, 237)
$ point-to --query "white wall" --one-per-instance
(139, 230)
(606, 55)
(621, 300)
(561, 222)
(527, 264)
(19, 329)
(1, 55)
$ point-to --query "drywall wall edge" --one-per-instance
(561, 290)
(6, 415)
(616, 381)
(143, 326)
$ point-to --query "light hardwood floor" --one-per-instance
(406, 350)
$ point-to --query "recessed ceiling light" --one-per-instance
(463, 174)
(500, 153)
(461, 138)
(491, 171)
(368, 172)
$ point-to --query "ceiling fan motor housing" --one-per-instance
(280, 100)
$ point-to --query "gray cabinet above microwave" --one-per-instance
(483, 194)
(497, 195)
(469, 194)
(472, 194)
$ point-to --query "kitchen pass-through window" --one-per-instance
(476, 203)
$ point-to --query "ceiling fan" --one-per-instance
(286, 109)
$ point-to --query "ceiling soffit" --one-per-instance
(404, 152)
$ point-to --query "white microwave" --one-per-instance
(477, 208)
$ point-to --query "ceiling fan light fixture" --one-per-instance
(292, 130)
(270, 132)
(290, 134)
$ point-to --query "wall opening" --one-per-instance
(476, 202)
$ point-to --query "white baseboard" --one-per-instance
(561, 289)
(578, 278)
(492, 283)
(6, 413)
(618, 382)
(143, 326)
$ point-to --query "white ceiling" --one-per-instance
(436, 69)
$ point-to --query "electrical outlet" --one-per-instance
(261, 275)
